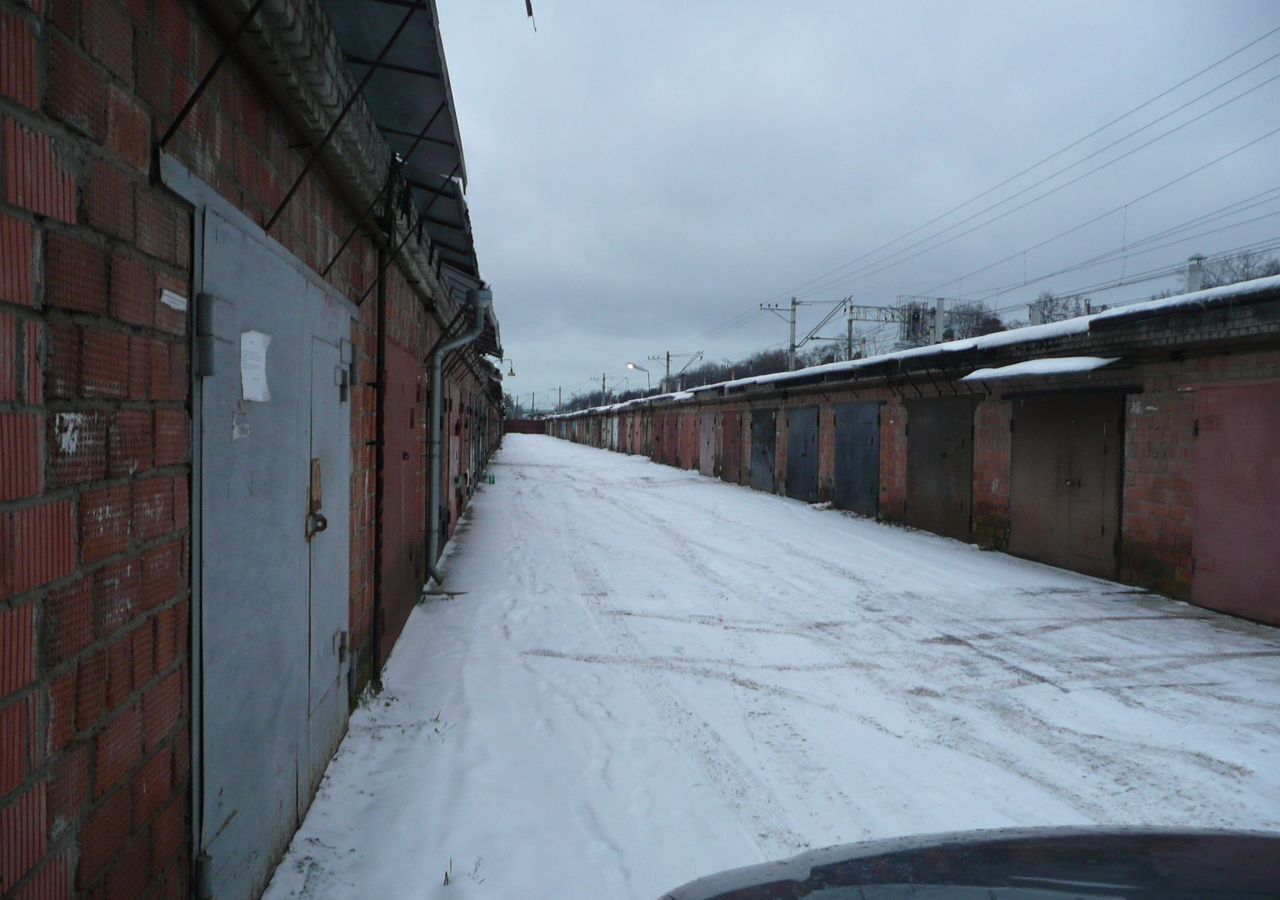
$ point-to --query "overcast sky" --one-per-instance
(643, 174)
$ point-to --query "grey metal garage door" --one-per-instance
(274, 450)
(802, 453)
(857, 463)
(764, 435)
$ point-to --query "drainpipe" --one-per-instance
(380, 437)
(480, 299)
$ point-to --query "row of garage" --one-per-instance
(1152, 463)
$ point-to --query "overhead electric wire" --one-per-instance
(1110, 212)
(1133, 248)
(1035, 165)
(992, 293)
(884, 265)
(1179, 268)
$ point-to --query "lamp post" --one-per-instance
(511, 370)
(632, 365)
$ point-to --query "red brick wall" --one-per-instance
(95, 423)
(94, 481)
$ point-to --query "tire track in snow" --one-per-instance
(732, 778)
(930, 715)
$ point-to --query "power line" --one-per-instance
(883, 265)
(1263, 246)
(1110, 212)
(1124, 252)
(1035, 165)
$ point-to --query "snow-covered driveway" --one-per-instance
(653, 675)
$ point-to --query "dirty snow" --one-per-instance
(649, 676)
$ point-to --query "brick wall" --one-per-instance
(95, 423)
(95, 483)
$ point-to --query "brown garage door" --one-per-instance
(1064, 506)
(1236, 524)
(671, 440)
(940, 465)
(404, 496)
(731, 455)
(688, 453)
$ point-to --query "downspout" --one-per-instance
(480, 300)
(380, 439)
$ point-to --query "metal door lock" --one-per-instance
(316, 523)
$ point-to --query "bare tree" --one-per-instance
(1050, 307)
(970, 320)
(1241, 267)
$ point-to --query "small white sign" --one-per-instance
(253, 365)
(173, 301)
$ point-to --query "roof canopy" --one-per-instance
(397, 44)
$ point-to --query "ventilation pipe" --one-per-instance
(480, 299)
(1195, 274)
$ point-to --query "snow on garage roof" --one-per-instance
(1050, 365)
(1030, 334)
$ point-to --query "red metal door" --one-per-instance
(731, 455)
(404, 502)
(1236, 523)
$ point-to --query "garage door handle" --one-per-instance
(1073, 482)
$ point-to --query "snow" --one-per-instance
(648, 675)
(1207, 297)
(1049, 365)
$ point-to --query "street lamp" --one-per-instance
(511, 370)
(632, 365)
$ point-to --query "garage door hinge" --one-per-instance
(202, 365)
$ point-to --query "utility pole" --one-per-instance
(939, 320)
(793, 345)
(531, 406)
(848, 345)
(604, 392)
(559, 398)
(791, 353)
(666, 380)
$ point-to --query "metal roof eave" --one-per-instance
(410, 95)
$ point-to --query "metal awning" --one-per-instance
(397, 44)
(409, 94)
(1033, 368)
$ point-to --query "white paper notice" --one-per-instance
(253, 365)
